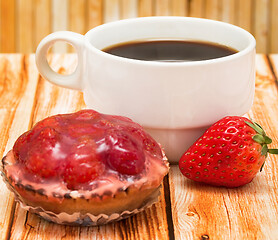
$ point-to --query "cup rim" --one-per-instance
(249, 48)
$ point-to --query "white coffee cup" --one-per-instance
(174, 101)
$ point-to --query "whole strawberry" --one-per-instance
(230, 153)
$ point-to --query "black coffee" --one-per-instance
(170, 50)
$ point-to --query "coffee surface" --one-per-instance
(170, 50)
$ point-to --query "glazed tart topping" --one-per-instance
(81, 147)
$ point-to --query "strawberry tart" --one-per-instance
(85, 168)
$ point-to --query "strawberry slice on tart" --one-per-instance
(85, 168)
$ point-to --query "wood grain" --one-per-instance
(274, 63)
(197, 8)
(228, 11)
(162, 7)
(42, 21)
(18, 84)
(128, 9)
(77, 10)
(59, 23)
(145, 8)
(274, 26)
(261, 25)
(77, 15)
(212, 10)
(24, 20)
(249, 212)
(245, 14)
(179, 7)
(8, 38)
(111, 10)
(94, 13)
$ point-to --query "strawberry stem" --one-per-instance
(273, 151)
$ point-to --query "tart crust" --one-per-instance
(81, 208)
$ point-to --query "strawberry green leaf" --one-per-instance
(267, 140)
(259, 126)
(258, 138)
(273, 151)
(264, 150)
(255, 127)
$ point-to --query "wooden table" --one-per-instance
(186, 210)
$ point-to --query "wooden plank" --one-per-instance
(229, 11)
(77, 18)
(1, 26)
(59, 23)
(111, 10)
(274, 27)
(245, 14)
(24, 23)
(248, 212)
(274, 62)
(18, 82)
(258, 17)
(77, 14)
(264, 75)
(145, 8)
(42, 23)
(128, 9)
(179, 7)
(213, 9)
(261, 25)
(197, 8)
(162, 7)
(95, 13)
(150, 224)
(7, 43)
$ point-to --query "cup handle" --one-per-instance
(74, 80)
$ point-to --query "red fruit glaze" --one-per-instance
(123, 154)
(149, 144)
(226, 154)
(82, 164)
(46, 145)
(77, 148)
